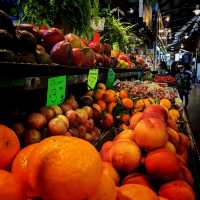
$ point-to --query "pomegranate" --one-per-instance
(88, 57)
(61, 53)
(51, 37)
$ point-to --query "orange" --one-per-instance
(174, 114)
(20, 163)
(9, 146)
(125, 117)
(64, 168)
(102, 104)
(109, 170)
(123, 94)
(110, 96)
(123, 126)
(127, 103)
(139, 105)
(99, 94)
(136, 192)
(111, 107)
(10, 189)
(101, 86)
(166, 103)
(106, 189)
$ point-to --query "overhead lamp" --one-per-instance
(197, 10)
(182, 46)
(131, 11)
(167, 18)
(186, 36)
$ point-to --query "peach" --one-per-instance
(186, 175)
(125, 134)
(170, 147)
(136, 192)
(111, 171)
(125, 156)
(137, 178)
(57, 110)
(105, 150)
(184, 144)
(156, 111)
(135, 119)
(177, 190)
(65, 107)
(173, 136)
(162, 164)
(72, 102)
(172, 124)
(32, 136)
(150, 133)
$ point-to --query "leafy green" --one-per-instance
(72, 15)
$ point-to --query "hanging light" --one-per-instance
(131, 11)
(197, 10)
(167, 18)
(186, 36)
(182, 46)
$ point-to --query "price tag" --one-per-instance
(116, 46)
(92, 78)
(56, 90)
(110, 78)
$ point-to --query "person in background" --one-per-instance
(188, 70)
(173, 70)
(183, 81)
(163, 68)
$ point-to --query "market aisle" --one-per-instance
(194, 110)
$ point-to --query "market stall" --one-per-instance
(76, 123)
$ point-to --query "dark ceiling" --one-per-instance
(180, 12)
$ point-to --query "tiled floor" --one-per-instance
(193, 110)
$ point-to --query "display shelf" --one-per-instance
(194, 156)
(35, 76)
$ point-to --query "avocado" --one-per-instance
(6, 22)
(7, 56)
(6, 39)
(25, 41)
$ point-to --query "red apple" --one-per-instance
(58, 125)
(36, 121)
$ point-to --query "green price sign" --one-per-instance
(115, 46)
(56, 90)
(92, 78)
(110, 78)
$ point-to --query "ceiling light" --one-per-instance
(186, 36)
(182, 46)
(167, 18)
(197, 10)
(131, 11)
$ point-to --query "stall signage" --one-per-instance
(92, 78)
(110, 78)
(56, 90)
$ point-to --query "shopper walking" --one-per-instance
(183, 80)
(173, 70)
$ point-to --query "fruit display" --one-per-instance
(46, 45)
(147, 160)
(148, 90)
(66, 119)
(170, 80)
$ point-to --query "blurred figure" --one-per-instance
(183, 80)
(163, 70)
(173, 70)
